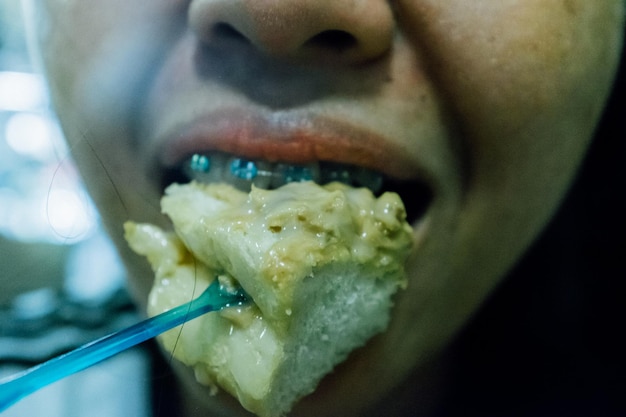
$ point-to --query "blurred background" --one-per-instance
(44, 212)
(48, 224)
(61, 284)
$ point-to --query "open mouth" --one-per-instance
(242, 173)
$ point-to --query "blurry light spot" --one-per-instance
(7, 199)
(69, 214)
(35, 304)
(93, 271)
(31, 135)
(20, 91)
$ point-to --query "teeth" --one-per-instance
(285, 173)
(200, 163)
(204, 168)
(243, 169)
(355, 176)
(242, 172)
(336, 172)
(370, 179)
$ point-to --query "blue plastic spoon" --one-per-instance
(16, 387)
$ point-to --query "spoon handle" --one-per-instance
(24, 383)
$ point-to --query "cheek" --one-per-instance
(526, 80)
(97, 55)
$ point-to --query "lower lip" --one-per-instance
(286, 139)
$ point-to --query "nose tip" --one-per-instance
(352, 31)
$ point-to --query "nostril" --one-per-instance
(310, 31)
(336, 40)
(225, 31)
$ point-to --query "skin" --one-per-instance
(491, 103)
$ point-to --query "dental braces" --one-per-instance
(242, 172)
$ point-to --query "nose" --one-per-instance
(352, 31)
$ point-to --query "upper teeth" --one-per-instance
(242, 172)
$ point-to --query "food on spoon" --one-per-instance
(320, 262)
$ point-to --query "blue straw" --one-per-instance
(18, 386)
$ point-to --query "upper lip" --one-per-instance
(286, 138)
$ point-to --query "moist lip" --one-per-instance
(288, 138)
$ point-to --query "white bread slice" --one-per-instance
(320, 262)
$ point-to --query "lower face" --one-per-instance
(482, 110)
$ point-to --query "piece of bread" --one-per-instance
(320, 262)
